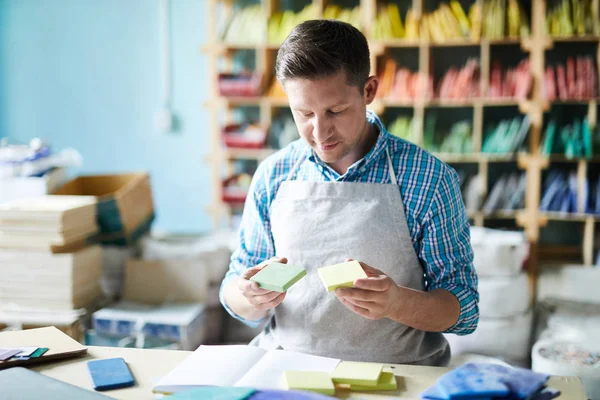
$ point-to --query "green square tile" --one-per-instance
(278, 277)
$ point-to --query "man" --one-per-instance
(349, 190)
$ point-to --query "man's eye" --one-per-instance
(308, 115)
(335, 112)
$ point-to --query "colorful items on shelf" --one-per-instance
(281, 23)
(276, 90)
(243, 84)
(235, 188)
(503, 19)
(445, 23)
(283, 131)
(516, 82)
(571, 18)
(248, 135)
(351, 16)
(402, 84)
(388, 23)
(507, 136)
(491, 19)
(576, 81)
(405, 128)
(592, 203)
(559, 192)
(460, 84)
(573, 140)
(507, 194)
(245, 26)
(457, 141)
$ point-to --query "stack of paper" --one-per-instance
(43, 279)
(47, 222)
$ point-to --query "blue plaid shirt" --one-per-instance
(433, 205)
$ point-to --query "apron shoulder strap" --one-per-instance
(296, 165)
(391, 167)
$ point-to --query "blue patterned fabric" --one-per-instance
(433, 205)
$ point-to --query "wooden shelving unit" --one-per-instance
(535, 46)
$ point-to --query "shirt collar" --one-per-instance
(363, 163)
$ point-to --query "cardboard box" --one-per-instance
(31, 186)
(125, 207)
(173, 281)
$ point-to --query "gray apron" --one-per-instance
(315, 224)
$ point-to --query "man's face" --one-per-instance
(331, 116)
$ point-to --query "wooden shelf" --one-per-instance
(573, 39)
(563, 159)
(475, 157)
(572, 102)
(497, 215)
(532, 163)
(248, 154)
(395, 43)
(572, 217)
(447, 103)
(502, 214)
(380, 102)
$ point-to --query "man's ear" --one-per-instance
(370, 90)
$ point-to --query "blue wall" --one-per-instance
(86, 74)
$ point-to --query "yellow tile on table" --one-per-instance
(357, 373)
(387, 381)
(313, 381)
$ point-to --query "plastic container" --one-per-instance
(498, 253)
(247, 136)
(503, 296)
(566, 358)
(244, 85)
(506, 338)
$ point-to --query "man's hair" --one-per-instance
(321, 48)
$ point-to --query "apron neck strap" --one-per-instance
(393, 178)
(390, 167)
(292, 173)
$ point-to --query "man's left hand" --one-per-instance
(373, 297)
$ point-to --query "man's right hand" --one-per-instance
(260, 299)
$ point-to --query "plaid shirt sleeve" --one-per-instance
(255, 238)
(447, 253)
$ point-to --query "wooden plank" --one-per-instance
(484, 62)
(588, 241)
(581, 185)
(477, 127)
(593, 114)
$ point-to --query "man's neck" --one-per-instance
(369, 140)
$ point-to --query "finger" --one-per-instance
(358, 294)
(378, 284)
(250, 272)
(358, 310)
(371, 306)
(266, 298)
(250, 288)
(370, 270)
(273, 303)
